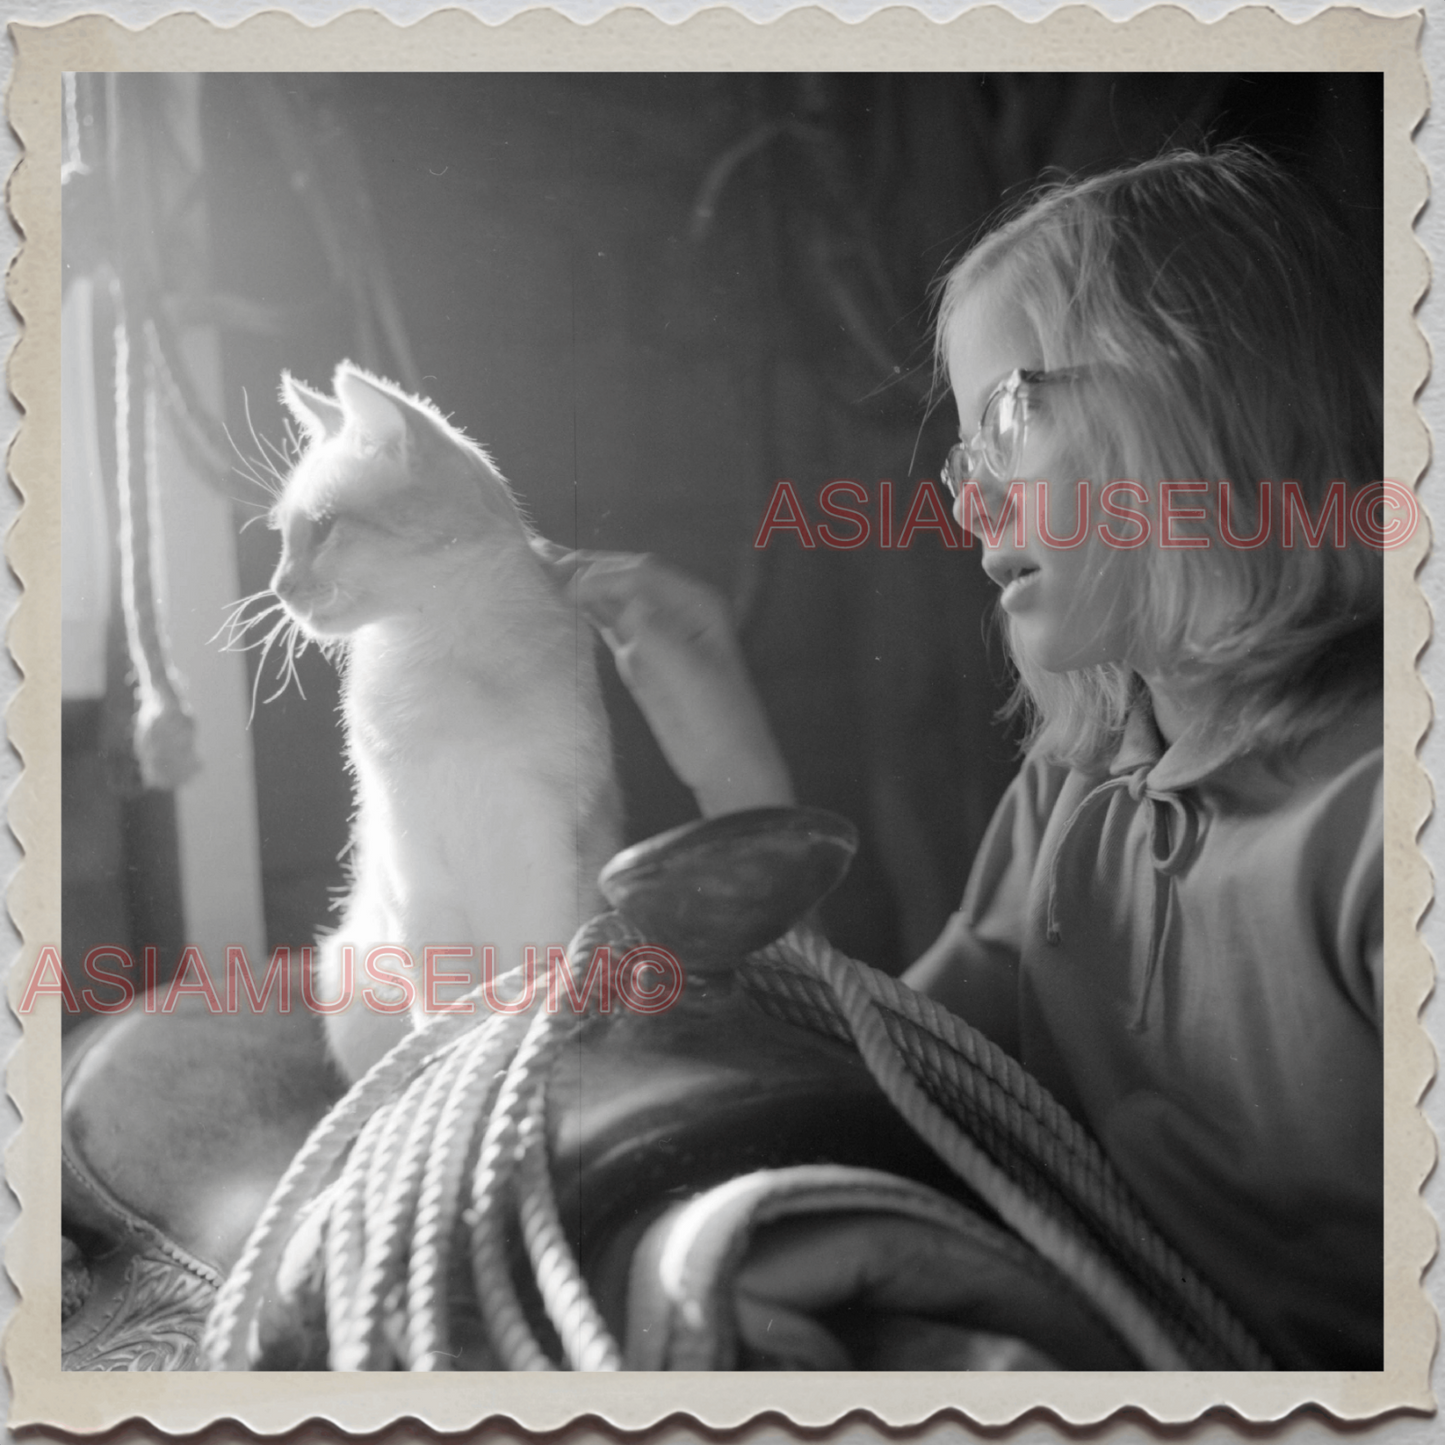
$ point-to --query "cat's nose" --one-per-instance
(285, 584)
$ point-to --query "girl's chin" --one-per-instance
(1033, 640)
(1058, 662)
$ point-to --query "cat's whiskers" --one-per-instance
(284, 456)
(269, 466)
(290, 652)
(242, 631)
(252, 624)
(237, 623)
(282, 627)
(288, 629)
(259, 471)
(260, 442)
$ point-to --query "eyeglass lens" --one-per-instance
(1001, 432)
(997, 443)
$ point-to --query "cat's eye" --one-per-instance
(321, 528)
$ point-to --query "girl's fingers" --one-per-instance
(671, 637)
(609, 576)
(566, 562)
(603, 592)
(633, 591)
(552, 553)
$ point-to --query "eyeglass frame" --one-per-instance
(963, 456)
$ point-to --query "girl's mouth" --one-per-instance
(1018, 585)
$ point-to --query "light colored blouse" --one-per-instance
(1188, 954)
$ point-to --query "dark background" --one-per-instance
(652, 297)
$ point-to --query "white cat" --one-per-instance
(475, 731)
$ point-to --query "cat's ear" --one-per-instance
(320, 417)
(380, 413)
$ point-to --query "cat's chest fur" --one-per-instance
(482, 808)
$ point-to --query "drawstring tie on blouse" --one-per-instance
(1174, 827)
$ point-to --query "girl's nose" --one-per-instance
(997, 522)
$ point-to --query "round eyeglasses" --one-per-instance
(998, 444)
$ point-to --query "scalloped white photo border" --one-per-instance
(1076, 38)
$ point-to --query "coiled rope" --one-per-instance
(469, 1091)
(1044, 1149)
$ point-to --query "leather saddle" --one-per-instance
(737, 1190)
(177, 1127)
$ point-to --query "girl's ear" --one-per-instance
(380, 413)
(319, 416)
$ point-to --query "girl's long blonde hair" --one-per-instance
(1229, 332)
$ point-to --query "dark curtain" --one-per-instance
(655, 297)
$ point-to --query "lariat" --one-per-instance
(439, 1157)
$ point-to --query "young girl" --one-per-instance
(1175, 920)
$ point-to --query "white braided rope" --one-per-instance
(1072, 1157)
(508, 1144)
(417, 1115)
(960, 1066)
(345, 1240)
(586, 1340)
(228, 1339)
(1111, 1294)
(393, 1182)
(506, 1322)
(359, 1205)
(472, 1096)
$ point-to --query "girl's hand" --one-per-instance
(676, 650)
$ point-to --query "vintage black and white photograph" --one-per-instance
(722, 722)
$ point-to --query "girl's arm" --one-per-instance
(676, 650)
(673, 640)
(973, 968)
